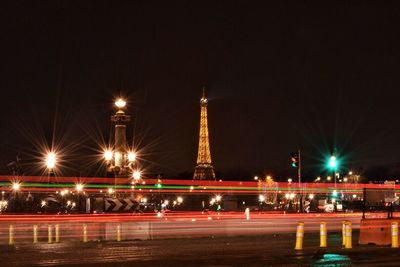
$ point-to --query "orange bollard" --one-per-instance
(349, 243)
(323, 235)
(85, 239)
(35, 234)
(11, 235)
(50, 234)
(395, 234)
(299, 236)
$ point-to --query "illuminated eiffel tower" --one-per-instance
(204, 170)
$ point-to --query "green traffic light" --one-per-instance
(333, 163)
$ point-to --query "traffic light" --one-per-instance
(333, 163)
(294, 157)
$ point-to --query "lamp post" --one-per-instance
(79, 188)
(51, 160)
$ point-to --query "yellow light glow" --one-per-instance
(261, 198)
(311, 196)
(51, 160)
(136, 175)
(16, 186)
(120, 103)
(218, 198)
(110, 190)
(108, 155)
(179, 199)
(131, 156)
(79, 187)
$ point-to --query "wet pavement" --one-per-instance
(264, 250)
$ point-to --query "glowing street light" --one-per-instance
(16, 186)
(136, 175)
(131, 156)
(311, 196)
(120, 103)
(255, 178)
(79, 187)
(218, 198)
(261, 198)
(179, 199)
(289, 180)
(108, 155)
(51, 160)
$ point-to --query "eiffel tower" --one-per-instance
(204, 170)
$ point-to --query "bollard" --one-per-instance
(323, 235)
(57, 233)
(344, 233)
(118, 232)
(395, 234)
(247, 213)
(85, 233)
(349, 243)
(50, 234)
(35, 234)
(11, 235)
(299, 236)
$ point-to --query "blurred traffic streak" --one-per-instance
(168, 225)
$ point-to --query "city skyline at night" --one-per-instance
(274, 85)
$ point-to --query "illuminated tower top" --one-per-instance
(120, 119)
(204, 169)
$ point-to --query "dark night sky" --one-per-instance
(279, 77)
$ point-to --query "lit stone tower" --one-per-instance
(204, 170)
(120, 160)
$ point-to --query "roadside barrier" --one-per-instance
(299, 236)
(323, 235)
(35, 234)
(348, 235)
(395, 234)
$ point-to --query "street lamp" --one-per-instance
(51, 160)
(79, 187)
(120, 103)
(16, 186)
(136, 175)
(131, 156)
(108, 155)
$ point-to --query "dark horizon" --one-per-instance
(280, 78)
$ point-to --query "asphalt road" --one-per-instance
(189, 239)
(262, 250)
